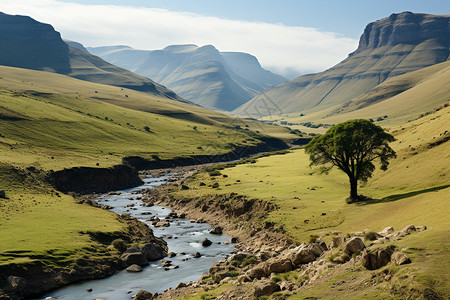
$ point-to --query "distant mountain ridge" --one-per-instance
(388, 47)
(203, 75)
(27, 43)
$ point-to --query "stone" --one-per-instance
(143, 295)
(265, 288)
(234, 240)
(134, 258)
(373, 260)
(164, 223)
(17, 283)
(400, 258)
(287, 285)
(243, 278)
(206, 242)
(197, 255)
(218, 277)
(387, 231)
(257, 272)
(302, 256)
(134, 269)
(217, 230)
(171, 254)
(316, 248)
(181, 285)
(51, 298)
(337, 241)
(279, 266)
(354, 245)
(421, 228)
(2, 194)
(154, 251)
(407, 230)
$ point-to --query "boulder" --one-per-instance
(206, 242)
(234, 240)
(162, 224)
(171, 254)
(407, 230)
(421, 228)
(197, 255)
(134, 269)
(17, 283)
(387, 231)
(376, 259)
(400, 258)
(257, 272)
(302, 256)
(135, 258)
(217, 230)
(218, 277)
(154, 251)
(265, 288)
(354, 245)
(337, 241)
(243, 278)
(181, 285)
(279, 266)
(316, 248)
(143, 295)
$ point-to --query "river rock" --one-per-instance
(134, 269)
(153, 252)
(354, 245)
(171, 254)
(206, 242)
(235, 240)
(143, 295)
(181, 285)
(301, 256)
(17, 283)
(164, 223)
(400, 258)
(217, 230)
(265, 288)
(197, 255)
(136, 258)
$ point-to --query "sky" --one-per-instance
(289, 37)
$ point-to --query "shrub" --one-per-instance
(215, 185)
(215, 173)
(146, 128)
(313, 238)
(370, 236)
(235, 263)
(276, 279)
(249, 261)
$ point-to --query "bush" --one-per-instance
(313, 238)
(370, 236)
(235, 263)
(120, 245)
(276, 279)
(146, 128)
(215, 185)
(215, 173)
(249, 261)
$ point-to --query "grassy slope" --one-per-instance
(69, 123)
(412, 191)
(37, 221)
(431, 83)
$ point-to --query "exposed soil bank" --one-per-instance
(85, 180)
(27, 280)
(268, 144)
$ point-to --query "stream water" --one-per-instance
(186, 237)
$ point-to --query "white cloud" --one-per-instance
(283, 49)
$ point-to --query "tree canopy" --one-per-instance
(352, 146)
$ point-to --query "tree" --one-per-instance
(352, 146)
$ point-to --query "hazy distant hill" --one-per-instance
(389, 47)
(26, 43)
(203, 75)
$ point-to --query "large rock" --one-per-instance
(279, 266)
(376, 259)
(337, 241)
(354, 245)
(317, 248)
(302, 256)
(217, 230)
(265, 288)
(387, 231)
(143, 295)
(407, 230)
(135, 258)
(154, 251)
(162, 224)
(218, 277)
(258, 271)
(400, 258)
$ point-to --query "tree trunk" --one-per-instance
(353, 189)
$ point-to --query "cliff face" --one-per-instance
(389, 47)
(27, 43)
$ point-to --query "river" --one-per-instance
(186, 237)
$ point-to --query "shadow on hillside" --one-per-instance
(396, 197)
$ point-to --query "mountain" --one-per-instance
(27, 43)
(203, 75)
(389, 47)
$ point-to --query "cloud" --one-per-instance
(284, 49)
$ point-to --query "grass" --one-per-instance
(414, 190)
(39, 223)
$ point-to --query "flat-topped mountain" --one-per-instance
(389, 47)
(27, 43)
(203, 75)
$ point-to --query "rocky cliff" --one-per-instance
(389, 47)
